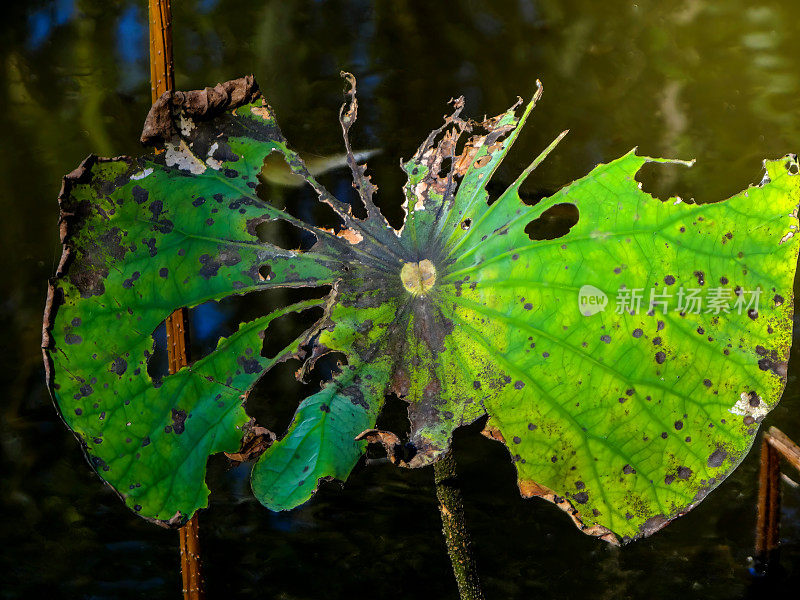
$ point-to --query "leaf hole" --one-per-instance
(496, 187)
(283, 234)
(446, 167)
(303, 202)
(342, 186)
(282, 331)
(212, 321)
(158, 361)
(274, 399)
(394, 417)
(664, 180)
(553, 223)
(265, 272)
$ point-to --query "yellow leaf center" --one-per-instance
(418, 278)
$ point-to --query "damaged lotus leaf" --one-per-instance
(625, 364)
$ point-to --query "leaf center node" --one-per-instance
(418, 278)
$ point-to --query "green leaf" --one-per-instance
(625, 416)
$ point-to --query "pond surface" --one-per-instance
(717, 81)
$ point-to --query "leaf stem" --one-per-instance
(454, 528)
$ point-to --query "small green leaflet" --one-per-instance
(625, 364)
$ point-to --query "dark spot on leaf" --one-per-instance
(151, 245)
(660, 357)
(223, 153)
(517, 440)
(146, 441)
(701, 278)
(249, 365)
(210, 266)
(163, 272)
(178, 420)
(119, 366)
(707, 382)
(325, 408)
(717, 458)
(519, 385)
(678, 424)
(231, 173)
(669, 280)
(637, 333)
(128, 283)
(684, 472)
(72, 338)
(139, 194)
(581, 497)
(605, 338)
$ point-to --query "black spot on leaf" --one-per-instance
(178, 420)
(717, 458)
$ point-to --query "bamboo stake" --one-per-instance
(162, 79)
(454, 527)
(774, 446)
(769, 507)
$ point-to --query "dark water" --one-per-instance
(694, 78)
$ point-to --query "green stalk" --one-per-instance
(454, 527)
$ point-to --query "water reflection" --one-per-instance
(695, 78)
